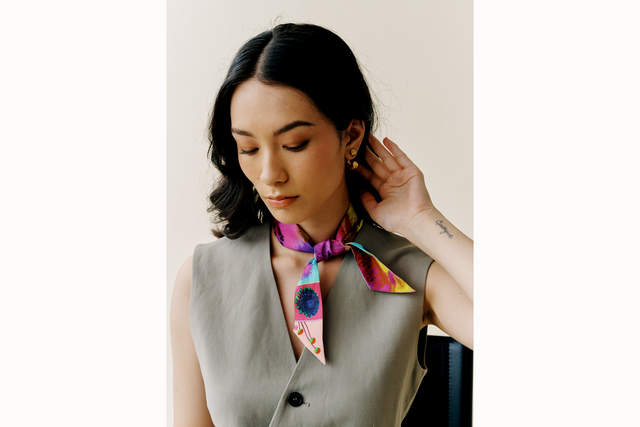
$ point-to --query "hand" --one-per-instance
(401, 186)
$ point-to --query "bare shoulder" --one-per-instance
(447, 307)
(181, 295)
(190, 406)
(183, 279)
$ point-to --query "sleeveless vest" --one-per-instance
(374, 366)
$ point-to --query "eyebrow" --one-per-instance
(280, 131)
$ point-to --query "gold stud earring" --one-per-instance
(353, 152)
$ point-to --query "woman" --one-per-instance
(307, 312)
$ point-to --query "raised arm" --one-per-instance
(406, 208)
(189, 403)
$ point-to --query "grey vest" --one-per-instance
(374, 365)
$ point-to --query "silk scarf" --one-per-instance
(308, 298)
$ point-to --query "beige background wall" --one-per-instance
(417, 56)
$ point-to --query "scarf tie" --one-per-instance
(308, 298)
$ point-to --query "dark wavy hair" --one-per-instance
(305, 57)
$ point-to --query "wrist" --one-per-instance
(416, 227)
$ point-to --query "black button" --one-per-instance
(295, 399)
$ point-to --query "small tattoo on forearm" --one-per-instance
(444, 229)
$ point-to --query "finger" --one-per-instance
(370, 176)
(399, 155)
(368, 201)
(376, 165)
(364, 171)
(384, 154)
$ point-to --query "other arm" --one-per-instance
(189, 403)
(448, 296)
(406, 208)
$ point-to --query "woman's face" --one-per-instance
(290, 153)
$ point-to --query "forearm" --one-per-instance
(436, 236)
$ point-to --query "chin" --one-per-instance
(288, 215)
(285, 217)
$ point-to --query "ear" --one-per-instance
(352, 136)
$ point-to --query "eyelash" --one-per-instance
(298, 147)
(250, 152)
(294, 149)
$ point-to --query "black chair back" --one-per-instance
(445, 395)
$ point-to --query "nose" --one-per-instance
(273, 170)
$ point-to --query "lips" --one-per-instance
(280, 201)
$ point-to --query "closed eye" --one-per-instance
(248, 152)
(298, 147)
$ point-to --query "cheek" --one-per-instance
(248, 169)
(324, 167)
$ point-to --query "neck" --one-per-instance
(325, 225)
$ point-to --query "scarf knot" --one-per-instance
(328, 249)
(308, 295)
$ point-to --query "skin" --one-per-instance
(281, 157)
